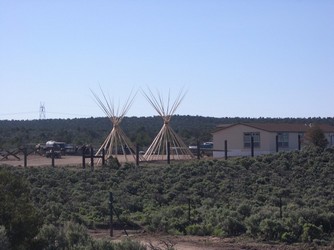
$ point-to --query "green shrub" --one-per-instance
(233, 227)
(17, 212)
(49, 237)
(271, 229)
(311, 232)
(101, 245)
(253, 225)
(226, 197)
(218, 232)
(4, 241)
(129, 245)
(199, 229)
(289, 237)
(68, 236)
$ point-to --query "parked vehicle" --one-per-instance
(57, 154)
(205, 148)
(58, 149)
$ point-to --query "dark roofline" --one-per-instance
(278, 127)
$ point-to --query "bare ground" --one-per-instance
(34, 160)
(161, 242)
(38, 160)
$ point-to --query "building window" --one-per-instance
(283, 140)
(256, 139)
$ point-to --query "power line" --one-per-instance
(18, 113)
(54, 113)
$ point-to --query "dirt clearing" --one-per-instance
(162, 242)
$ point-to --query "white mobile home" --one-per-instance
(267, 138)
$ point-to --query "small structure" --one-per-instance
(266, 138)
(167, 143)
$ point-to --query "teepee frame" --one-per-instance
(116, 143)
(166, 138)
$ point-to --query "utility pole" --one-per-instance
(42, 111)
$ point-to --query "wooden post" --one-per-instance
(276, 143)
(198, 151)
(103, 157)
(52, 157)
(137, 155)
(111, 232)
(91, 158)
(280, 207)
(189, 210)
(25, 157)
(168, 153)
(83, 158)
(252, 146)
(299, 142)
(225, 142)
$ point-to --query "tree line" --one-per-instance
(141, 130)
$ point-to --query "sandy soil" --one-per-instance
(160, 242)
(38, 160)
(35, 160)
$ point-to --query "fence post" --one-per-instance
(168, 153)
(280, 207)
(111, 232)
(137, 155)
(198, 151)
(52, 157)
(189, 210)
(299, 142)
(103, 157)
(276, 143)
(83, 157)
(25, 156)
(225, 142)
(252, 146)
(91, 158)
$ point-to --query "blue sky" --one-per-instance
(246, 58)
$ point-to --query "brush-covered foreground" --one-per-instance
(285, 197)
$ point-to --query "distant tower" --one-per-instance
(41, 111)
